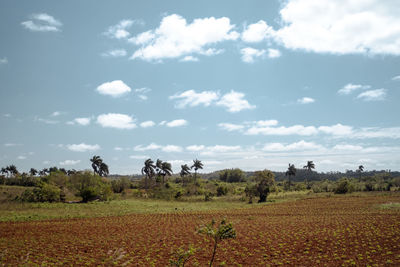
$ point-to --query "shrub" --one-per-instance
(90, 187)
(222, 190)
(344, 186)
(44, 193)
(232, 175)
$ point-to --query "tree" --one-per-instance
(103, 169)
(185, 170)
(359, 171)
(148, 170)
(232, 175)
(4, 171)
(290, 172)
(221, 232)
(196, 166)
(33, 172)
(159, 163)
(166, 170)
(96, 162)
(43, 172)
(12, 170)
(310, 165)
(265, 179)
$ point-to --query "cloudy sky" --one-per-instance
(249, 84)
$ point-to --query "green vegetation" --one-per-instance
(218, 233)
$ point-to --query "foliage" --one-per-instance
(44, 193)
(90, 187)
(222, 190)
(119, 185)
(232, 175)
(181, 257)
(344, 186)
(265, 179)
(217, 233)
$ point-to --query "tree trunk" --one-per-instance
(213, 255)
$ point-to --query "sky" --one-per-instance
(236, 84)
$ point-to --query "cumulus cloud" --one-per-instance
(175, 38)
(115, 88)
(82, 147)
(69, 162)
(274, 53)
(120, 30)
(249, 54)
(257, 32)
(42, 22)
(230, 127)
(341, 27)
(337, 129)
(301, 145)
(373, 95)
(115, 53)
(177, 123)
(3, 60)
(195, 148)
(147, 124)
(282, 130)
(347, 147)
(396, 78)
(192, 99)
(154, 146)
(234, 102)
(116, 120)
(190, 58)
(349, 88)
(306, 100)
(82, 121)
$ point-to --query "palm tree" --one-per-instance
(33, 172)
(148, 170)
(196, 165)
(360, 170)
(96, 162)
(310, 165)
(4, 171)
(185, 170)
(103, 169)
(43, 172)
(290, 172)
(158, 170)
(12, 170)
(166, 169)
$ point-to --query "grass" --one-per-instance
(391, 205)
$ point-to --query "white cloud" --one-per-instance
(282, 130)
(142, 92)
(11, 144)
(42, 23)
(395, 78)
(340, 27)
(69, 162)
(138, 157)
(190, 58)
(230, 127)
(3, 60)
(175, 38)
(373, 95)
(274, 53)
(349, 88)
(83, 147)
(297, 146)
(249, 54)
(305, 100)
(119, 31)
(266, 123)
(375, 132)
(56, 113)
(195, 148)
(257, 32)
(21, 157)
(337, 129)
(147, 124)
(115, 53)
(234, 102)
(117, 148)
(192, 99)
(116, 120)
(221, 149)
(47, 121)
(82, 121)
(115, 88)
(177, 123)
(348, 147)
(152, 146)
(171, 148)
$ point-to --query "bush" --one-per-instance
(44, 193)
(232, 175)
(222, 190)
(344, 186)
(90, 187)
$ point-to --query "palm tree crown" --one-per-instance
(185, 170)
(96, 162)
(290, 172)
(196, 165)
(148, 170)
(310, 165)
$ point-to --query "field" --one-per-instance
(349, 230)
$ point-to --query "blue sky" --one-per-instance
(248, 84)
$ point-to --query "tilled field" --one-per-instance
(312, 232)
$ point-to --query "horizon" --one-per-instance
(235, 85)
